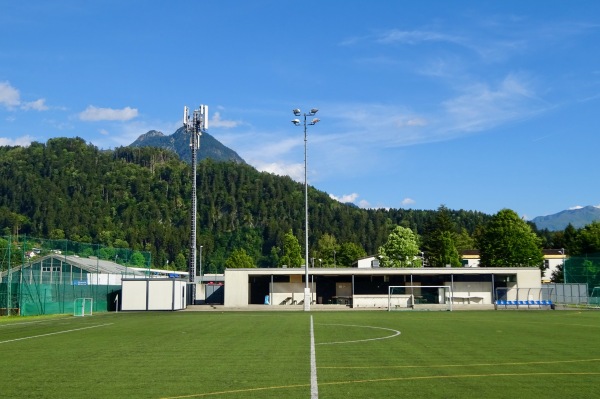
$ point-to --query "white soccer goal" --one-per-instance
(420, 297)
(83, 306)
(595, 297)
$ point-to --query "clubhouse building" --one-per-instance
(368, 286)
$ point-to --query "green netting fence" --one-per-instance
(38, 276)
(583, 270)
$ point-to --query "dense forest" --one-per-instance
(139, 198)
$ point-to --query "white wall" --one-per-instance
(133, 294)
(381, 301)
(292, 293)
(153, 294)
(472, 292)
(365, 263)
(160, 296)
(236, 288)
(553, 264)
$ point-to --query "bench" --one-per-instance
(528, 303)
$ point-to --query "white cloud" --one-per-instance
(345, 198)
(216, 121)
(575, 207)
(416, 122)
(407, 202)
(37, 105)
(19, 141)
(92, 114)
(364, 204)
(481, 107)
(417, 36)
(9, 96)
(294, 170)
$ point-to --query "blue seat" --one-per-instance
(521, 303)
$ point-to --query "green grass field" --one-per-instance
(358, 354)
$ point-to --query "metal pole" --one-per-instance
(8, 278)
(200, 267)
(297, 112)
(305, 216)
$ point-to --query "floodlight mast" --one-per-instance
(307, 293)
(195, 126)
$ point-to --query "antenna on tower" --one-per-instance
(195, 126)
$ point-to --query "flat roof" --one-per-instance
(379, 271)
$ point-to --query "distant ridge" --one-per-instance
(579, 218)
(179, 142)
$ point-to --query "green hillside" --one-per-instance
(140, 198)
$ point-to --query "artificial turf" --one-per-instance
(360, 354)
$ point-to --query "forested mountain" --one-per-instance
(140, 197)
(578, 218)
(179, 142)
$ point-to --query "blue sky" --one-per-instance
(477, 105)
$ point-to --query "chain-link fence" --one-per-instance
(583, 270)
(39, 276)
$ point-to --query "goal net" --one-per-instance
(420, 297)
(595, 297)
(83, 306)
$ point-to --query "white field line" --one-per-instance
(396, 333)
(54, 333)
(22, 323)
(314, 387)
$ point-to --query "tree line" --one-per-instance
(139, 198)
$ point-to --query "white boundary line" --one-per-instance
(314, 387)
(54, 333)
(21, 323)
(396, 333)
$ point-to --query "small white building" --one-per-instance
(553, 258)
(367, 262)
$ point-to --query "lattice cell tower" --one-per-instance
(195, 126)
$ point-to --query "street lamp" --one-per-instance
(200, 267)
(564, 254)
(297, 112)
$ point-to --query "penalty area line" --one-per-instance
(54, 333)
(348, 382)
(429, 366)
(436, 377)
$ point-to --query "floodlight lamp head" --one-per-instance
(296, 121)
(296, 112)
(315, 121)
(314, 111)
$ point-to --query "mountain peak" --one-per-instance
(179, 142)
(149, 135)
(578, 217)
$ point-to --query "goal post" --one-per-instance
(83, 306)
(594, 299)
(420, 297)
